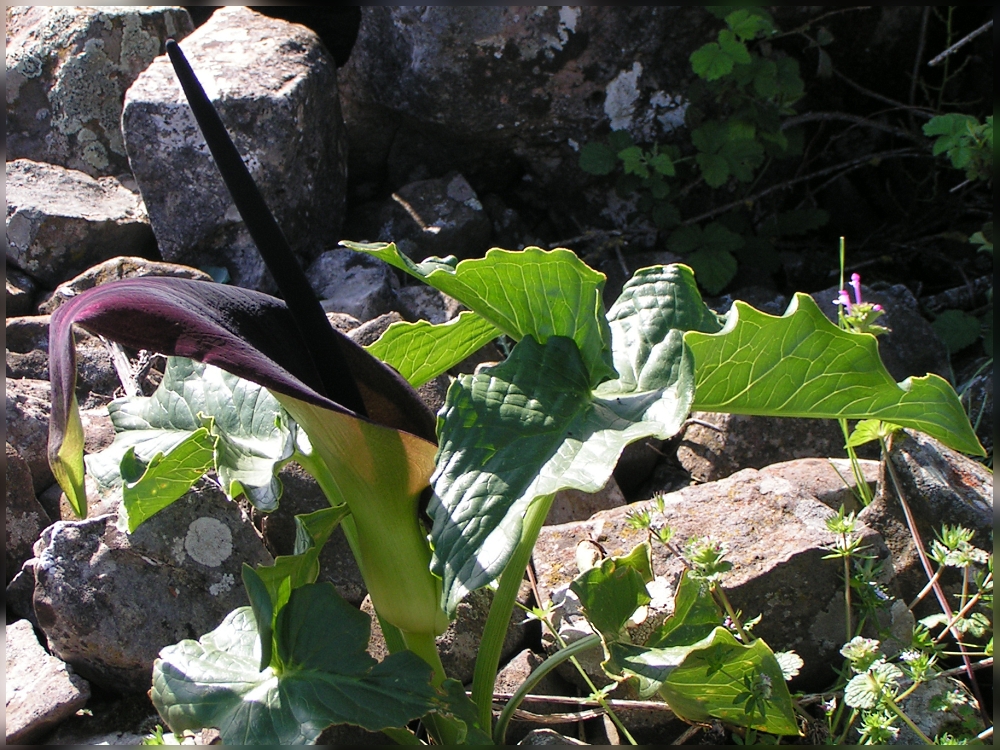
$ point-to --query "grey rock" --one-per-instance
(108, 720)
(548, 736)
(512, 676)
(41, 690)
(20, 294)
(121, 267)
(25, 517)
(776, 538)
(921, 706)
(976, 389)
(353, 283)
(28, 357)
(490, 91)
(941, 486)
(440, 217)
(459, 644)
(108, 601)
(275, 87)
(61, 221)
(716, 445)
(67, 73)
(422, 302)
(576, 505)
(19, 592)
(369, 332)
(911, 347)
(28, 407)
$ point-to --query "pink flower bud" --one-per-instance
(856, 283)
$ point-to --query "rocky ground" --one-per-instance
(448, 131)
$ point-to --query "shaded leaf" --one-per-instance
(327, 677)
(597, 158)
(696, 614)
(802, 365)
(611, 592)
(714, 268)
(957, 329)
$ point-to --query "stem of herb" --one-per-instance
(497, 621)
(891, 704)
(584, 644)
(744, 635)
(847, 586)
(850, 723)
(927, 589)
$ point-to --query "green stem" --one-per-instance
(909, 722)
(424, 645)
(498, 620)
(847, 589)
(747, 639)
(584, 644)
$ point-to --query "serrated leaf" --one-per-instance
(663, 164)
(743, 156)
(790, 662)
(634, 161)
(619, 140)
(802, 365)
(421, 351)
(714, 268)
(789, 81)
(534, 292)
(532, 425)
(327, 678)
(714, 168)
(711, 62)
(149, 488)
(597, 158)
(696, 615)
(957, 329)
(733, 47)
(746, 24)
(611, 592)
(866, 690)
(705, 680)
(765, 79)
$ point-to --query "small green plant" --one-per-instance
(734, 116)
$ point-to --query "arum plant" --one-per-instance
(579, 385)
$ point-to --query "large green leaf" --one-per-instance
(709, 679)
(327, 677)
(532, 425)
(194, 407)
(802, 365)
(534, 292)
(695, 615)
(421, 351)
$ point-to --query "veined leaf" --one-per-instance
(709, 679)
(421, 351)
(534, 292)
(802, 365)
(327, 677)
(695, 615)
(612, 591)
(532, 425)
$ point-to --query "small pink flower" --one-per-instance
(844, 299)
(856, 284)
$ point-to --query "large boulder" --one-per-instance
(499, 92)
(24, 515)
(67, 73)
(61, 221)
(275, 87)
(108, 601)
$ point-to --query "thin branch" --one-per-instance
(920, 54)
(961, 43)
(864, 121)
(922, 111)
(846, 166)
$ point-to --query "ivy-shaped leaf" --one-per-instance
(612, 591)
(327, 676)
(535, 292)
(802, 365)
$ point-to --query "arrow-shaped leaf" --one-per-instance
(802, 365)
(532, 425)
(327, 677)
(534, 292)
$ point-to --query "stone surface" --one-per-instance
(497, 92)
(911, 347)
(459, 644)
(28, 357)
(548, 736)
(121, 267)
(438, 217)
(510, 678)
(108, 720)
(20, 294)
(19, 592)
(353, 283)
(67, 73)
(24, 515)
(61, 221)
(576, 505)
(422, 302)
(28, 407)
(976, 388)
(775, 533)
(108, 601)
(829, 480)
(716, 445)
(941, 486)
(41, 690)
(275, 87)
